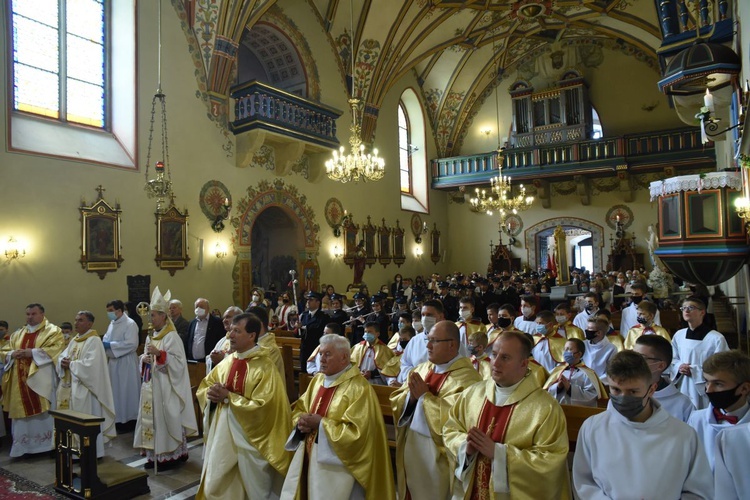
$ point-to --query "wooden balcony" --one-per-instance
(633, 153)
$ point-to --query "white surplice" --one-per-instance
(676, 403)
(694, 353)
(708, 429)
(122, 335)
(597, 356)
(731, 477)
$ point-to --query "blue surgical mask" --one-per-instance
(111, 315)
(540, 329)
(369, 338)
(569, 358)
(401, 325)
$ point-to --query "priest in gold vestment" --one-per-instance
(29, 381)
(339, 441)
(421, 406)
(267, 340)
(247, 420)
(507, 437)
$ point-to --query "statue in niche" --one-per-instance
(561, 257)
(360, 258)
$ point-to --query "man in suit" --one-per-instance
(203, 332)
(312, 323)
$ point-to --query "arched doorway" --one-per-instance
(275, 232)
(535, 237)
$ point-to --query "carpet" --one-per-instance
(15, 487)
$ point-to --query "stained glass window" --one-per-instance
(59, 59)
(404, 155)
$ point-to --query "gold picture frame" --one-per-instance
(101, 250)
(171, 240)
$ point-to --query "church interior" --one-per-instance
(594, 109)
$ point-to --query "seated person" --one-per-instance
(727, 375)
(479, 358)
(501, 320)
(598, 347)
(590, 306)
(313, 362)
(529, 309)
(404, 319)
(371, 355)
(416, 320)
(564, 326)
(646, 313)
(657, 351)
(393, 367)
(467, 322)
(572, 382)
(548, 344)
(612, 334)
(614, 456)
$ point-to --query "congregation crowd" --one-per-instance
(479, 368)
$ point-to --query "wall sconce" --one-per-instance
(710, 124)
(218, 224)
(344, 221)
(487, 131)
(337, 254)
(14, 250)
(418, 252)
(220, 250)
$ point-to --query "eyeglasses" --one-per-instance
(428, 340)
(689, 308)
(655, 360)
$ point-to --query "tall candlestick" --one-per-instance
(708, 101)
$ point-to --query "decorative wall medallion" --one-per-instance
(416, 225)
(334, 212)
(514, 224)
(213, 194)
(623, 212)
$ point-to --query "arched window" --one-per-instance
(412, 154)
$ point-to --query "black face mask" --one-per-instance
(723, 399)
(636, 299)
(403, 343)
(504, 322)
(590, 334)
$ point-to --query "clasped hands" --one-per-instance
(22, 353)
(217, 393)
(65, 363)
(308, 422)
(417, 387)
(478, 441)
(685, 369)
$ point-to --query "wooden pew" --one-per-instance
(294, 344)
(574, 417)
(196, 374)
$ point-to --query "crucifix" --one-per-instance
(100, 190)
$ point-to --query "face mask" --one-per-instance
(526, 311)
(417, 325)
(540, 329)
(466, 314)
(473, 350)
(286, 300)
(590, 334)
(200, 312)
(401, 325)
(584, 288)
(369, 338)
(569, 358)
(256, 298)
(561, 320)
(504, 322)
(111, 315)
(628, 406)
(428, 322)
(723, 399)
(643, 321)
(589, 308)
(403, 343)
(636, 299)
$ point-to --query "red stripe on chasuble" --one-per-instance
(320, 405)
(493, 421)
(435, 381)
(32, 405)
(236, 377)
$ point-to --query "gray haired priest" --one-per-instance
(165, 415)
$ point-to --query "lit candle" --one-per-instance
(226, 202)
(618, 218)
(708, 101)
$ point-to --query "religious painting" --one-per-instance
(399, 253)
(384, 244)
(171, 240)
(369, 231)
(100, 237)
(350, 241)
(703, 211)
(435, 254)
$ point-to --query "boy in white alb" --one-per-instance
(598, 347)
(730, 473)
(614, 455)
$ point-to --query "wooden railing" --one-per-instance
(258, 105)
(646, 150)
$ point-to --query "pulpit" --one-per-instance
(75, 440)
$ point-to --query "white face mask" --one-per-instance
(428, 322)
(200, 312)
(466, 314)
(561, 320)
(417, 326)
(256, 298)
(526, 311)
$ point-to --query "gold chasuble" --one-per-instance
(28, 388)
(532, 427)
(537, 372)
(268, 341)
(393, 367)
(445, 388)
(244, 437)
(639, 330)
(590, 374)
(382, 354)
(482, 365)
(354, 428)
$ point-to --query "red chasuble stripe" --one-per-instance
(321, 403)
(236, 377)
(32, 405)
(493, 421)
(435, 381)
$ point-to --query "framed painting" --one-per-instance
(399, 253)
(435, 255)
(350, 241)
(369, 231)
(100, 237)
(171, 240)
(384, 244)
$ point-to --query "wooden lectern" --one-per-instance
(75, 438)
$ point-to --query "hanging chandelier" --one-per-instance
(357, 164)
(160, 187)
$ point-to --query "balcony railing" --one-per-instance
(650, 150)
(260, 106)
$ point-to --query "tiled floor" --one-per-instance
(176, 484)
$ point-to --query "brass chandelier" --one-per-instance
(500, 199)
